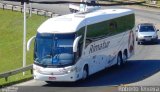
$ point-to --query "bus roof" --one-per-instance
(71, 23)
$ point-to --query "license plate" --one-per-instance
(148, 39)
(52, 78)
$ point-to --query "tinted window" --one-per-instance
(148, 28)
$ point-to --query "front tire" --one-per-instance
(85, 73)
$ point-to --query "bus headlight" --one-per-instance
(69, 70)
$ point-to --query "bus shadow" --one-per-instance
(133, 71)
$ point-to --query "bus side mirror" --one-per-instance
(29, 42)
(157, 29)
(75, 43)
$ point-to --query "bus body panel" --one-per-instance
(104, 41)
(96, 61)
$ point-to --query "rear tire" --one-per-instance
(125, 56)
(119, 60)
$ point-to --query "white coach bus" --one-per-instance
(72, 47)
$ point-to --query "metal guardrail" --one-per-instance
(16, 71)
(148, 3)
(151, 5)
(33, 10)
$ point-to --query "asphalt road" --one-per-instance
(143, 69)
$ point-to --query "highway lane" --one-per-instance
(142, 69)
(62, 9)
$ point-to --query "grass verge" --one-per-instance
(11, 42)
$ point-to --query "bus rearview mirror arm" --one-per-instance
(75, 43)
(29, 42)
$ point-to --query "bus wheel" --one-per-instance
(119, 60)
(125, 57)
(85, 72)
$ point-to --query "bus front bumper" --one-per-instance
(70, 77)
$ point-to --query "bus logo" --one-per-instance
(101, 46)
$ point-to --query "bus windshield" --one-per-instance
(54, 49)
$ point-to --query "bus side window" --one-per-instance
(113, 25)
(113, 28)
